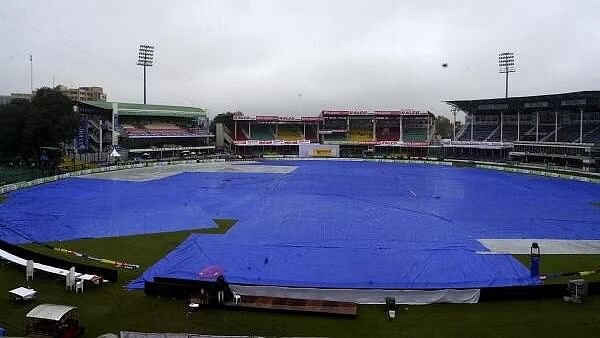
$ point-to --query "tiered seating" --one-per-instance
(414, 134)
(592, 136)
(261, 132)
(494, 136)
(388, 134)
(509, 132)
(466, 135)
(361, 135)
(311, 133)
(289, 132)
(482, 131)
(568, 133)
(543, 130)
(240, 134)
(335, 137)
(133, 131)
(156, 129)
(160, 126)
(165, 129)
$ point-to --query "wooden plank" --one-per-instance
(296, 305)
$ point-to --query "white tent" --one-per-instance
(114, 153)
(49, 311)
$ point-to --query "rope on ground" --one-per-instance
(116, 264)
(569, 274)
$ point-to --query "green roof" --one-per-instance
(151, 110)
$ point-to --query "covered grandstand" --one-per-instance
(559, 130)
(272, 135)
(399, 133)
(138, 130)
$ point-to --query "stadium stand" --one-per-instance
(360, 135)
(543, 131)
(551, 130)
(351, 130)
(241, 132)
(262, 132)
(311, 133)
(568, 133)
(335, 137)
(592, 136)
(480, 132)
(388, 134)
(289, 132)
(156, 130)
(414, 135)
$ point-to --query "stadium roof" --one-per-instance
(150, 110)
(583, 99)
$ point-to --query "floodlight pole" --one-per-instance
(144, 84)
(505, 82)
(31, 72)
(454, 110)
(145, 59)
(506, 63)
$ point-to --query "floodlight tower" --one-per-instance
(145, 59)
(454, 110)
(506, 63)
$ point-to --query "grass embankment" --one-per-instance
(112, 308)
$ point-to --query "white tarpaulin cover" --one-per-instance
(547, 246)
(364, 296)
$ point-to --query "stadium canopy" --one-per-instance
(144, 110)
(585, 100)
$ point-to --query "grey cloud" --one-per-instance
(298, 57)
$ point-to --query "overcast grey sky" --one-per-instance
(299, 57)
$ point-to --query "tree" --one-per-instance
(11, 128)
(225, 118)
(47, 121)
(443, 127)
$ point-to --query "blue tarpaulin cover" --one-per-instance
(326, 224)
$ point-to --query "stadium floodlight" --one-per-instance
(506, 63)
(454, 110)
(145, 59)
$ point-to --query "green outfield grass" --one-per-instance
(19, 174)
(111, 308)
(565, 263)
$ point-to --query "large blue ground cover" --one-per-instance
(327, 224)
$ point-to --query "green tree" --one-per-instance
(225, 118)
(47, 121)
(443, 127)
(11, 127)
